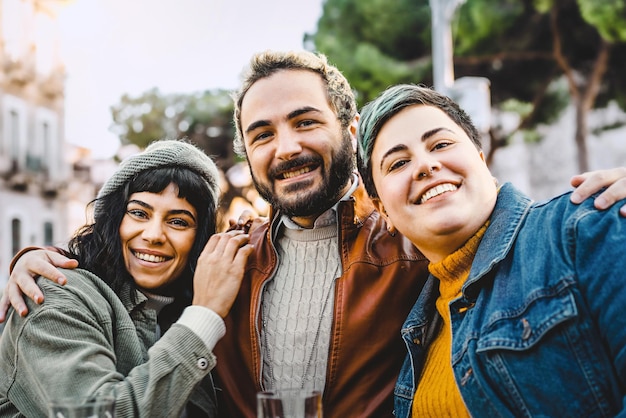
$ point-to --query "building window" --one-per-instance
(16, 235)
(38, 149)
(48, 233)
(14, 138)
(46, 137)
(47, 155)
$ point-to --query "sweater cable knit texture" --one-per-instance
(298, 308)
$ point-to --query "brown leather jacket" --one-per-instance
(382, 277)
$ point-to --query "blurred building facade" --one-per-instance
(33, 171)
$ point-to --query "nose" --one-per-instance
(426, 168)
(287, 145)
(153, 232)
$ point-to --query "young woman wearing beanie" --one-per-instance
(140, 316)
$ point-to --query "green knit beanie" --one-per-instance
(165, 153)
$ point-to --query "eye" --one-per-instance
(180, 223)
(396, 165)
(306, 123)
(262, 136)
(137, 213)
(441, 144)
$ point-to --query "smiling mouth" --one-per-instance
(151, 258)
(436, 191)
(295, 173)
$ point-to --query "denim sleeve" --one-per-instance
(598, 243)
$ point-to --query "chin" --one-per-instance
(446, 226)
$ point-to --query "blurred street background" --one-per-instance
(86, 83)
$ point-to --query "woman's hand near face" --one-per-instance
(219, 271)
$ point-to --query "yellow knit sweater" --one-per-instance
(437, 394)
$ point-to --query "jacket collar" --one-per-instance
(359, 207)
(512, 207)
(131, 298)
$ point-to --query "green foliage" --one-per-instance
(516, 106)
(543, 6)
(531, 136)
(611, 126)
(137, 119)
(376, 43)
(203, 117)
(608, 16)
(547, 111)
(480, 23)
(553, 104)
(398, 28)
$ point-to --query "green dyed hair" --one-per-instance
(265, 64)
(389, 103)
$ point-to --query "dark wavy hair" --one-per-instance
(98, 248)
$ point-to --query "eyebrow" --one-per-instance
(401, 147)
(302, 111)
(170, 212)
(290, 115)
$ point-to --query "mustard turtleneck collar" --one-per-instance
(456, 264)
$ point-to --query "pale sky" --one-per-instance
(112, 47)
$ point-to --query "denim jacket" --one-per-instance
(540, 327)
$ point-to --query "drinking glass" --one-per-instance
(289, 403)
(92, 407)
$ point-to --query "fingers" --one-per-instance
(614, 193)
(15, 298)
(220, 270)
(586, 184)
(589, 183)
(4, 306)
(22, 283)
(224, 246)
(246, 216)
(22, 280)
(48, 270)
(34, 264)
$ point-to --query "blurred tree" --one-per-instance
(525, 47)
(375, 43)
(205, 118)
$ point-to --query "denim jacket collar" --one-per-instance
(506, 220)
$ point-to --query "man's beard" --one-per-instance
(325, 196)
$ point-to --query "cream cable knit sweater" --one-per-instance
(298, 309)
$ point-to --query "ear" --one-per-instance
(352, 129)
(381, 209)
(482, 156)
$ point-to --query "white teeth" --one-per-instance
(292, 174)
(150, 258)
(436, 191)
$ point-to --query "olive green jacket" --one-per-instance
(86, 340)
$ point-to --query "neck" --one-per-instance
(466, 246)
(305, 221)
